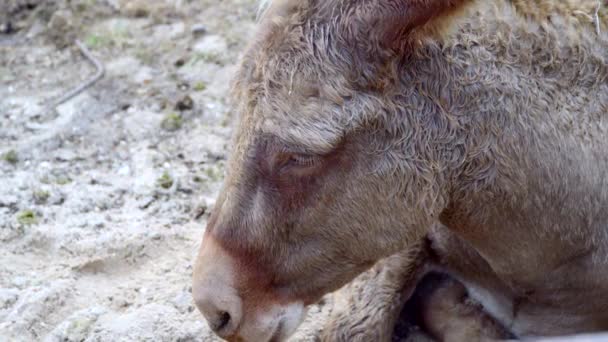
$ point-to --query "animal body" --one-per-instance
(477, 129)
(368, 308)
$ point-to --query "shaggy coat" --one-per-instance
(362, 123)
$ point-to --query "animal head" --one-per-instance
(331, 166)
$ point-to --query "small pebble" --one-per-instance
(180, 62)
(185, 103)
(6, 28)
(199, 29)
(183, 86)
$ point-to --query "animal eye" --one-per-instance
(297, 163)
(300, 159)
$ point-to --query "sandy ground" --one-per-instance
(103, 201)
(98, 199)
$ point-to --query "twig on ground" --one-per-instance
(100, 70)
(596, 18)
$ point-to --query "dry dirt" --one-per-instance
(98, 198)
(103, 200)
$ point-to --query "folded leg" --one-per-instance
(449, 315)
(367, 308)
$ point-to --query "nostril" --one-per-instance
(224, 319)
(223, 310)
(220, 322)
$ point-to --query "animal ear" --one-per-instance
(397, 22)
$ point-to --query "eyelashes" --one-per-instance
(298, 163)
(300, 159)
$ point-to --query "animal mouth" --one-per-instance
(278, 333)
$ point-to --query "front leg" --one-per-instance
(368, 307)
(449, 315)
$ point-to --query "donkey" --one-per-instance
(363, 124)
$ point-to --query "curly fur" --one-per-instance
(490, 116)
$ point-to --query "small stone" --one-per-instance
(146, 202)
(136, 9)
(200, 210)
(180, 62)
(198, 29)
(183, 86)
(6, 28)
(185, 190)
(185, 103)
(123, 303)
(99, 225)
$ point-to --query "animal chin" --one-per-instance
(290, 320)
(275, 325)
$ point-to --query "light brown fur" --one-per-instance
(449, 315)
(367, 308)
(363, 122)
